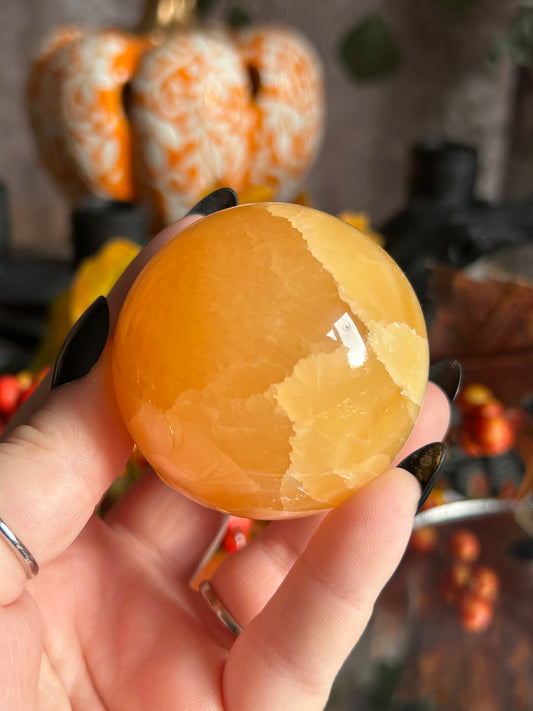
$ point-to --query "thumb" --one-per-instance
(67, 444)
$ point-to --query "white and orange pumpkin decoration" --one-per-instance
(165, 115)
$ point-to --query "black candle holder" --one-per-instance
(96, 220)
(30, 283)
(444, 222)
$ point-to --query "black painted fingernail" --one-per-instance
(83, 345)
(424, 464)
(447, 374)
(214, 202)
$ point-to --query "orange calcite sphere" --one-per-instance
(270, 360)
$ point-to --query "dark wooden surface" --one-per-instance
(415, 654)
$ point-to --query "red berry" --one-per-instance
(496, 435)
(516, 417)
(464, 546)
(478, 485)
(485, 581)
(9, 393)
(238, 531)
(490, 409)
(454, 582)
(424, 540)
(234, 540)
(475, 612)
(472, 396)
(487, 429)
(509, 490)
(241, 524)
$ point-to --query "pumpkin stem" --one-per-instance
(162, 17)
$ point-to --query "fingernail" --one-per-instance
(424, 464)
(83, 345)
(214, 202)
(447, 374)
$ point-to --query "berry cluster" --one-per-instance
(472, 588)
(487, 429)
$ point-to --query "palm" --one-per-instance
(124, 630)
(121, 630)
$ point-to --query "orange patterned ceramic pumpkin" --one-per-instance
(165, 117)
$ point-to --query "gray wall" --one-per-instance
(444, 89)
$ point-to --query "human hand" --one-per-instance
(111, 622)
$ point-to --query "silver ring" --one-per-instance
(30, 565)
(218, 608)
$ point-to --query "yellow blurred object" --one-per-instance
(260, 193)
(303, 199)
(96, 275)
(361, 222)
(256, 193)
(264, 193)
(25, 379)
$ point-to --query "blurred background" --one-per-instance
(428, 148)
(434, 77)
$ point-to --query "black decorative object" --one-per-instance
(5, 226)
(478, 477)
(96, 221)
(27, 286)
(444, 222)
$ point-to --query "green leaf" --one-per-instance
(517, 42)
(237, 18)
(454, 5)
(499, 50)
(369, 51)
(520, 38)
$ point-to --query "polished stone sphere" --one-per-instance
(270, 360)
